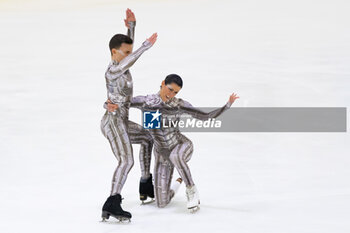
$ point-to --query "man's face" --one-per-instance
(122, 52)
(169, 91)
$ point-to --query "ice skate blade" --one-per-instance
(121, 219)
(146, 202)
(194, 209)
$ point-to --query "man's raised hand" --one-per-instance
(153, 38)
(130, 17)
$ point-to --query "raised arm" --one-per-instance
(130, 23)
(127, 62)
(131, 30)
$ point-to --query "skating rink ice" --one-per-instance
(56, 166)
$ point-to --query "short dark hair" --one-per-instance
(173, 78)
(117, 41)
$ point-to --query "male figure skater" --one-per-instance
(171, 148)
(116, 127)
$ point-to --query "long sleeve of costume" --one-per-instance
(116, 70)
(199, 114)
(138, 102)
(131, 30)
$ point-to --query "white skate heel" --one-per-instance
(192, 199)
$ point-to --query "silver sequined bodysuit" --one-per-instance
(171, 148)
(116, 127)
(119, 80)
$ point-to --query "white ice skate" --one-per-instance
(192, 199)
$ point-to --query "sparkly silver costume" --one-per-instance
(116, 127)
(171, 148)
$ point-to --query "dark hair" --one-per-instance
(117, 41)
(173, 78)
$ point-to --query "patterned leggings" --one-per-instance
(121, 134)
(165, 161)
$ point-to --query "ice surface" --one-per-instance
(56, 167)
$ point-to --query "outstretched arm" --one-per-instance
(130, 23)
(128, 61)
(139, 102)
(199, 114)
